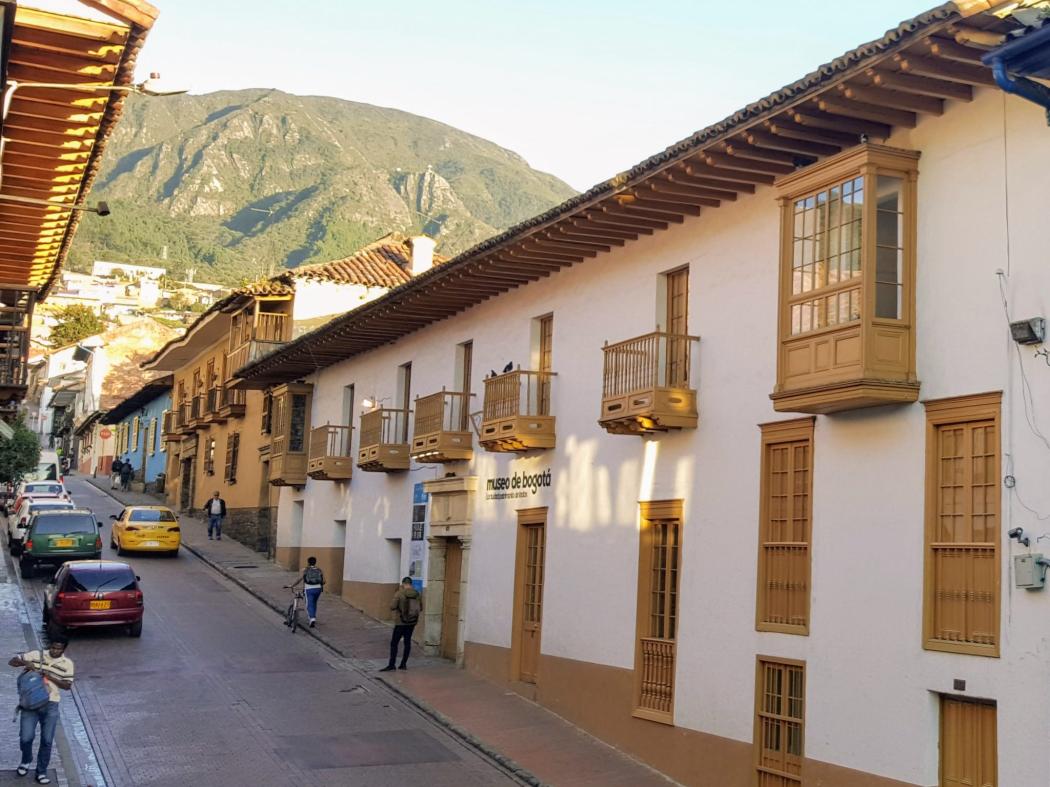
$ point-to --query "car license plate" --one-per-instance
(65, 542)
(100, 604)
(151, 544)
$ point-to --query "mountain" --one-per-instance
(238, 184)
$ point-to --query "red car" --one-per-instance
(87, 593)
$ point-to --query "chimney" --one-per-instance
(422, 254)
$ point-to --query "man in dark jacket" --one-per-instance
(216, 511)
(114, 472)
(127, 472)
(407, 607)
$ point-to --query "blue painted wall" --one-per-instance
(155, 462)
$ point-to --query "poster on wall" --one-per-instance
(417, 549)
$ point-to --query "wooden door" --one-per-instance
(450, 605)
(531, 544)
(678, 326)
(968, 744)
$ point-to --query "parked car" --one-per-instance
(145, 529)
(53, 537)
(54, 489)
(88, 593)
(18, 522)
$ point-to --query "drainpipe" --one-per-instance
(1021, 86)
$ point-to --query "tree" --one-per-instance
(73, 323)
(20, 454)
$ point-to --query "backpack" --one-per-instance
(32, 691)
(313, 576)
(410, 609)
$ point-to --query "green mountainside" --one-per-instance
(238, 184)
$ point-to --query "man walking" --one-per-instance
(406, 606)
(127, 472)
(216, 510)
(313, 586)
(57, 670)
(114, 472)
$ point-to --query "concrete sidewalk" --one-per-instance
(544, 748)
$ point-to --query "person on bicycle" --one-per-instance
(313, 585)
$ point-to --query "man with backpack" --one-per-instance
(406, 606)
(313, 585)
(44, 673)
(127, 472)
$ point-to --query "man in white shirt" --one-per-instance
(57, 670)
(216, 511)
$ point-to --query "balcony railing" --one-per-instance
(255, 336)
(198, 412)
(442, 428)
(646, 384)
(211, 402)
(656, 689)
(383, 446)
(330, 457)
(182, 416)
(516, 412)
(231, 402)
(170, 427)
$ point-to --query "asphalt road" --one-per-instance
(218, 692)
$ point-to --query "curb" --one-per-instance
(504, 762)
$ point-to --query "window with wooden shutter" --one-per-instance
(233, 448)
(267, 413)
(659, 562)
(151, 437)
(780, 722)
(135, 433)
(962, 598)
(785, 514)
(209, 456)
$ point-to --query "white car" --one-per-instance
(19, 519)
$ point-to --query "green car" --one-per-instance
(53, 537)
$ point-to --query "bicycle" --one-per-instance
(291, 617)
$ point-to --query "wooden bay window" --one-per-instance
(847, 273)
(290, 424)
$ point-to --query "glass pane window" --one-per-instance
(297, 423)
(826, 251)
(889, 247)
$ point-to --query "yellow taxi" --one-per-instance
(145, 529)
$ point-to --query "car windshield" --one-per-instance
(151, 515)
(43, 489)
(104, 578)
(50, 524)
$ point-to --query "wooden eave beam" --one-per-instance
(623, 210)
(705, 170)
(923, 86)
(739, 164)
(599, 218)
(941, 68)
(817, 119)
(838, 105)
(680, 177)
(952, 50)
(764, 139)
(784, 126)
(546, 244)
(649, 200)
(583, 237)
(741, 148)
(81, 63)
(892, 98)
(664, 186)
(541, 256)
(583, 227)
(537, 261)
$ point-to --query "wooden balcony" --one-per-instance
(255, 335)
(286, 468)
(169, 428)
(330, 458)
(516, 413)
(442, 428)
(383, 447)
(211, 405)
(646, 385)
(231, 403)
(198, 414)
(182, 418)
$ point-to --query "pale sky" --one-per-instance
(582, 89)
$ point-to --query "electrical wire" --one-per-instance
(1027, 397)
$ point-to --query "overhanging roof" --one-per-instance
(55, 137)
(143, 396)
(868, 92)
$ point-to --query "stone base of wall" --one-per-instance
(250, 526)
(600, 700)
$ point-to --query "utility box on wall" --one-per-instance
(1029, 571)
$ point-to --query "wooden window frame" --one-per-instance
(945, 412)
(135, 433)
(778, 433)
(233, 452)
(760, 662)
(209, 456)
(527, 517)
(655, 511)
(151, 437)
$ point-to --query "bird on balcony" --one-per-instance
(508, 367)
(492, 373)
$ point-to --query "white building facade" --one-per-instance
(815, 587)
